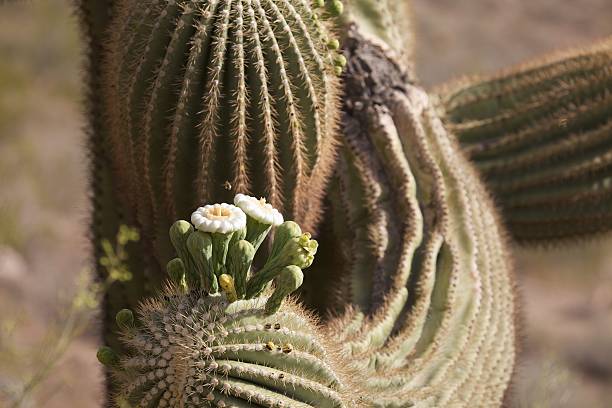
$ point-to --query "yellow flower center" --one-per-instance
(218, 212)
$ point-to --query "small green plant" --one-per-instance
(76, 317)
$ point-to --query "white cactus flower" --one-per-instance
(258, 209)
(222, 218)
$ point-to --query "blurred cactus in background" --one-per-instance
(540, 134)
(194, 101)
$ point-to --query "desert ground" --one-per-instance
(566, 358)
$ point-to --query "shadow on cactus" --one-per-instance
(221, 335)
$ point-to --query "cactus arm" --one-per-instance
(447, 315)
(242, 358)
(541, 135)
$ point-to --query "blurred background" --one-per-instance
(48, 337)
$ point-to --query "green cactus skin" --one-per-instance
(196, 347)
(430, 320)
(542, 136)
(200, 93)
(107, 211)
(427, 263)
(197, 350)
(119, 70)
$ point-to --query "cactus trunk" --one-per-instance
(206, 99)
(428, 266)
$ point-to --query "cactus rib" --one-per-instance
(540, 134)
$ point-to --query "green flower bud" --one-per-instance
(284, 233)
(107, 356)
(298, 250)
(176, 272)
(238, 236)
(125, 319)
(340, 61)
(200, 248)
(288, 280)
(333, 44)
(239, 259)
(179, 233)
(220, 246)
(335, 7)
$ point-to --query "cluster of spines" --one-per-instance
(199, 350)
(206, 98)
(443, 333)
(541, 135)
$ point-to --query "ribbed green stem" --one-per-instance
(440, 324)
(542, 136)
(197, 350)
(244, 91)
(206, 99)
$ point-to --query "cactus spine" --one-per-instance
(107, 211)
(195, 351)
(541, 136)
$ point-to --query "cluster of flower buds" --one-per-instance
(216, 253)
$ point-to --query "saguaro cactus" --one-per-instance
(225, 344)
(435, 286)
(541, 135)
(431, 295)
(194, 101)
